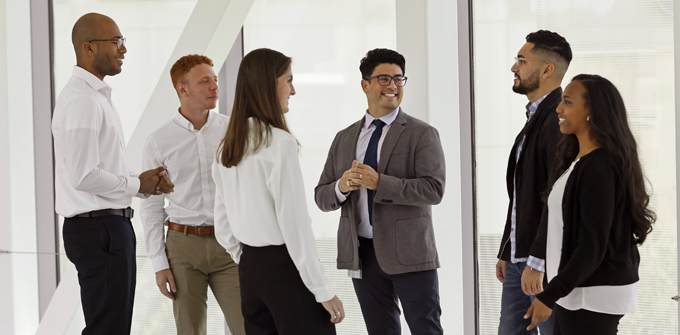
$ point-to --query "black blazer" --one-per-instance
(530, 174)
(598, 247)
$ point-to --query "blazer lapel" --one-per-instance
(348, 155)
(391, 139)
(349, 150)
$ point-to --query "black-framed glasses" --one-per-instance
(120, 41)
(385, 80)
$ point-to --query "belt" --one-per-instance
(193, 230)
(126, 212)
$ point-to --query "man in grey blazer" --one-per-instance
(385, 172)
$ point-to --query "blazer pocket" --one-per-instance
(345, 249)
(415, 241)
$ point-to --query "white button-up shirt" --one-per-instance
(365, 228)
(188, 153)
(89, 148)
(261, 202)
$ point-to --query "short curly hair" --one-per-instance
(183, 65)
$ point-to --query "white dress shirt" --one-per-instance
(365, 228)
(608, 299)
(188, 153)
(261, 202)
(89, 149)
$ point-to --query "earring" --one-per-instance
(91, 54)
(543, 77)
(588, 118)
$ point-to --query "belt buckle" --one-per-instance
(203, 225)
(128, 212)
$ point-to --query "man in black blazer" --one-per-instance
(539, 68)
(385, 172)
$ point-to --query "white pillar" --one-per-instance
(6, 282)
(433, 36)
(24, 270)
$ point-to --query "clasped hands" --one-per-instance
(359, 175)
(155, 181)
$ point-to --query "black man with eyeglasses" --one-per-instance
(384, 173)
(93, 185)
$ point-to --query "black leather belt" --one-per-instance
(127, 212)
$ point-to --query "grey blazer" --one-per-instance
(412, 174)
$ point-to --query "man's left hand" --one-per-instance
(538, 312)
(532, 281)
(364, 175)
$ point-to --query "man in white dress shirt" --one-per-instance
(94, 187)
(190, 259)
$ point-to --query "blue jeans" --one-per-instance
(514, 304)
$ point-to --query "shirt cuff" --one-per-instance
(338, 194)
(160, 263)
(536, 263)
(133, 184)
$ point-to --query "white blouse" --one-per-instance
(261, 202)
(614, 299)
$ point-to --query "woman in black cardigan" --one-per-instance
(597, 215)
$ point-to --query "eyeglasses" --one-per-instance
(119, 40)
(385, 80)
(521, 60)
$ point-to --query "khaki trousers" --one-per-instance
(197, 262)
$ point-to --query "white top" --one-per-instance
(365, 228)
(261, 202)
(89, 149)
(615, 299)
(188, 154)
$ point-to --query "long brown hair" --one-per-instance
(255, 97)
(609, 129)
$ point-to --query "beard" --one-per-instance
(105, 65)
(527, 86)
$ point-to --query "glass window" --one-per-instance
(627, 42)
(326, 40)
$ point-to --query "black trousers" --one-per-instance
(274, 300)
(103, 251)
(583, 321)
(378, 292)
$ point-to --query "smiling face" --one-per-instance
(284, 89)
(527, 71)
(199, 89)
(108, 59)
(573, 111)
(382, 100)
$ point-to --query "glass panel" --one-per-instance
(627, 42)
(326, 40)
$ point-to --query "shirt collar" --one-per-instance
(388, 119)
(184, 123)
(92, 80)
(532, 107)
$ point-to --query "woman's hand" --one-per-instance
(335, 309)
(538, 312)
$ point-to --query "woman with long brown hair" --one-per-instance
(261, 213)
(597, 214)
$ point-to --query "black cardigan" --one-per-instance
(530, 174)
(598, 247)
